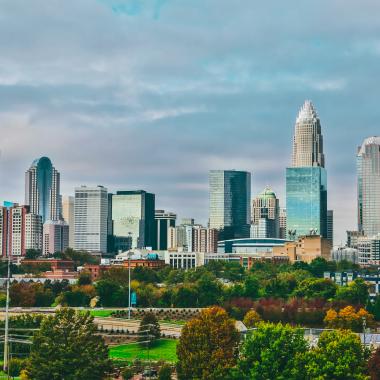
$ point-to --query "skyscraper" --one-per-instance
(68, 217)
(230, 194)
(55, 236)
(19, 230)
(306, 180)
(368, 176)
(90, 218)
(330, 226)
(133, 219)
(266, 206)
(308, 140)
(163, 220)
(42, 189)
(282, 222)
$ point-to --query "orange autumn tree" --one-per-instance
(208, 345)
(348, 318)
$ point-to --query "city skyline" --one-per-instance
(227, 97)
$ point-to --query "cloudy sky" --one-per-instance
(151, 94)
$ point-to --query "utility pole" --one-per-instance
(6, 331)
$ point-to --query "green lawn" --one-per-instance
(101, 313)
(163, 349)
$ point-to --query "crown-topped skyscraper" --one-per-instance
(308, 139)
(306, 180)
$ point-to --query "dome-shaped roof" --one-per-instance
(373, 140)
(267, 193)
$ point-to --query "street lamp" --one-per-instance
(130, 253)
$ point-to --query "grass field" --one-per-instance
(163, 349)
(101, 313)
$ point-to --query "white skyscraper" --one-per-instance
(308, 140)
(90, 218)
(42, 189)
(368, 173)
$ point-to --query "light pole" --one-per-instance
(6, 331)
(130, 253)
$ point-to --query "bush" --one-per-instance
(165, 372)
(127, 373)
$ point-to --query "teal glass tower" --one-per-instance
(306, 180)
(306, 201)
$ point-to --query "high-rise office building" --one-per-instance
(19, 230)
(133, 222)
(368, 176)
(68, 217)
(55, 236)
(230, 194)
(205, 239)
(266, 206)
(42, 189)
(163, 220)
(330, 226)
(308, 140)
(282, 222)
(90, 219)
(306, 180)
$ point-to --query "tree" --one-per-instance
(165, 372)
(22, 294)
(185, 296)
(32, 254)
(111, 294)
(16, 366)
(374, 365)
(207, 347)
(355, 293)
(339, 355)
(320, 265)
(149, 329)
(270, 352)
(348, 318)
(209, 291)
(252, 319)
(316, 288)
(374, 308)
(84, 278)
(67, 347)
(251, 287)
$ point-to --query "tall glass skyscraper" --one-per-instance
(230, 194)
(42, 192)
(368, 172)
(306, 180)
(133, 222)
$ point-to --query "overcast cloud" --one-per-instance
(151, 94)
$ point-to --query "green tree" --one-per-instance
(209, 291)
(84, 278)
(355, 293)
(207, 347)
(111, 294)
(251, 287)
(252, 319)
(339, 355)
(149, 329)
(165, 372)
(374, 308)
(320, 265)
(186, 296)
(270, 352)
(68, 347)
(32, 254)
(316, 288)
(16, 365)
